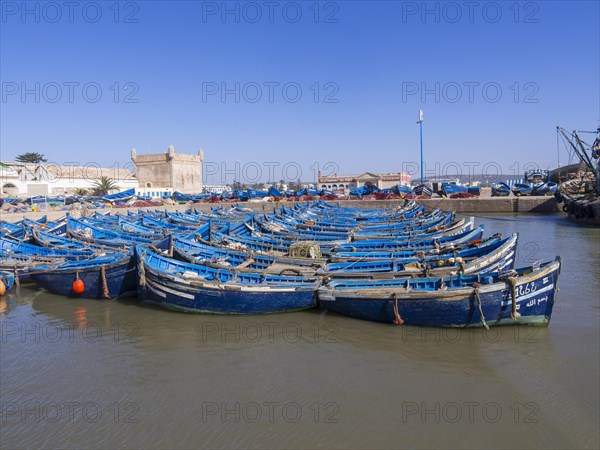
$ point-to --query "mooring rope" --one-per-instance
(513, 285)
(17, 281)
(142, 270)
(398, 320)
(105, 292)
(476, 287)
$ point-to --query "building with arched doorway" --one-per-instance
(344, 183)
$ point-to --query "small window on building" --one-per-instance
(148, 184)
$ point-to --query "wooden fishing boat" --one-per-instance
(105, 277)
(11, 246)
(521, 189)
(500, 256)
(122, 196)
(524, 296)
(427, 241)
(449, 189)
(423, 191)
(500, 189)
(195, 288)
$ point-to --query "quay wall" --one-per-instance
(460, 205)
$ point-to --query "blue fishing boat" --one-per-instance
(402, 190)
(195, 288)
(366, 189)
(497, 256)
(254, 193)
(547, 188)
(521, 189)
(122, 196)
(449, 189)
(12, 246)
(423, 190)
(524, 296)
(500, 189)
(106, 277)
(474, 190)
(274, 192)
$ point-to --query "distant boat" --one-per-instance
(402, 190)
(521, 189)
(122, 196)
(422, 190)
(474, 190)
(449, 189)
(545, 189)
(500, 189)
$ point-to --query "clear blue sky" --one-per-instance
(369, 56)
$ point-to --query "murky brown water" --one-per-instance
(82, 373)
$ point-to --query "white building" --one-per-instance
(216, 188)
(25, 179)
(347, 182)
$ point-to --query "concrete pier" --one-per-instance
(460, 205)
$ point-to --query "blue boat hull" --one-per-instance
(185, 297)
(534, 303)
(121, 281)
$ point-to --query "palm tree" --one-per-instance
(80, 191)
(103, 185)
(237, 186)
(31, 157)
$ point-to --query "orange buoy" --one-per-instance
(78, 287)
(2, 288)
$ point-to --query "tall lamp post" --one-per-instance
(420, 122)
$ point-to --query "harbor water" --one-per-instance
(114, 374)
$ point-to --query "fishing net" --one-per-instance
(305, 249)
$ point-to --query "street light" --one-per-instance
(420, 122)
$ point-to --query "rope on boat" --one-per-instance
(398, 320)
(105, 292)
(427, 270)
(17, 281)
(142, 270)
(514, 315)
(476, 287)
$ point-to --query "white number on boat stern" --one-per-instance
(530, 293)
